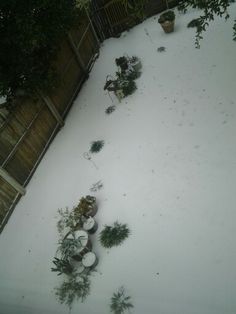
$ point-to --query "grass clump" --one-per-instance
(114, 235)
(96, 146)
(120, 302)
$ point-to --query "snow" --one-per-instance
(168, 169)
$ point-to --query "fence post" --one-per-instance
(52, 108)
(77, 55)
(93, 30)
(10, 180)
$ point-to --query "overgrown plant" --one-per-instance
(114, 235)
(120, 303)
(62, 266)
(68, 247)
(70, 220)
(210, 9)
(96, 146)
(75, 288)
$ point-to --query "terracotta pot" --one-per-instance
(168, 26)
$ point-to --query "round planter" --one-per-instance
(168, 26)
(90, 225)
(85, 244)
(90, 260)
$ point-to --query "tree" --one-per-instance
(30, 33)
(210, 9)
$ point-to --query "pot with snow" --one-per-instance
(167, 21)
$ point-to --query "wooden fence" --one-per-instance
(27, 132)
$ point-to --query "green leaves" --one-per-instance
(114, 235)
(120, 302)
(30, 33)
(96, 146)
(73, 289)
(210, 9)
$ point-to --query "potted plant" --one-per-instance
(167, 21)
(62, 266)
(87, 206)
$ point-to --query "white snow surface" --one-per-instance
(169, 171)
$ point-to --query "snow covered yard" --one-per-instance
(169, 171)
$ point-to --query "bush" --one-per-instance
(73, 289)
(114, 235)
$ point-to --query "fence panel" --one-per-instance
(28, 131)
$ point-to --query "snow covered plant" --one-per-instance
(110, 109)
(68, 219)
(69, 247)
(114, 235)
(96, 146)
(75, 288)
(62, 266)
(120, 302)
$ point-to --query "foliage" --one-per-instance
(122, 62)
(96, 146)
(69, 219)
(135, 8)
(110, 109)
(31, 32)
(83, 4)
(210, 9)
(161, 49)
(166, 16)
(75, 288)
(62, 266)
(114, 235)
(68, 247)
(85, 206)
(193, 23)
(120, 302)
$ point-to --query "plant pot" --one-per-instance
(168, 26)
(137, 65)
(90, 225)
(90, 260)
(92, 210)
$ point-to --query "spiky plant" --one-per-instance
(114, 235)
(62, 266)
(120, 302)
(68, 247)
(96, 146)
(73, 289)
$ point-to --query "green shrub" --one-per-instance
(73, 289)
(114, 235)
